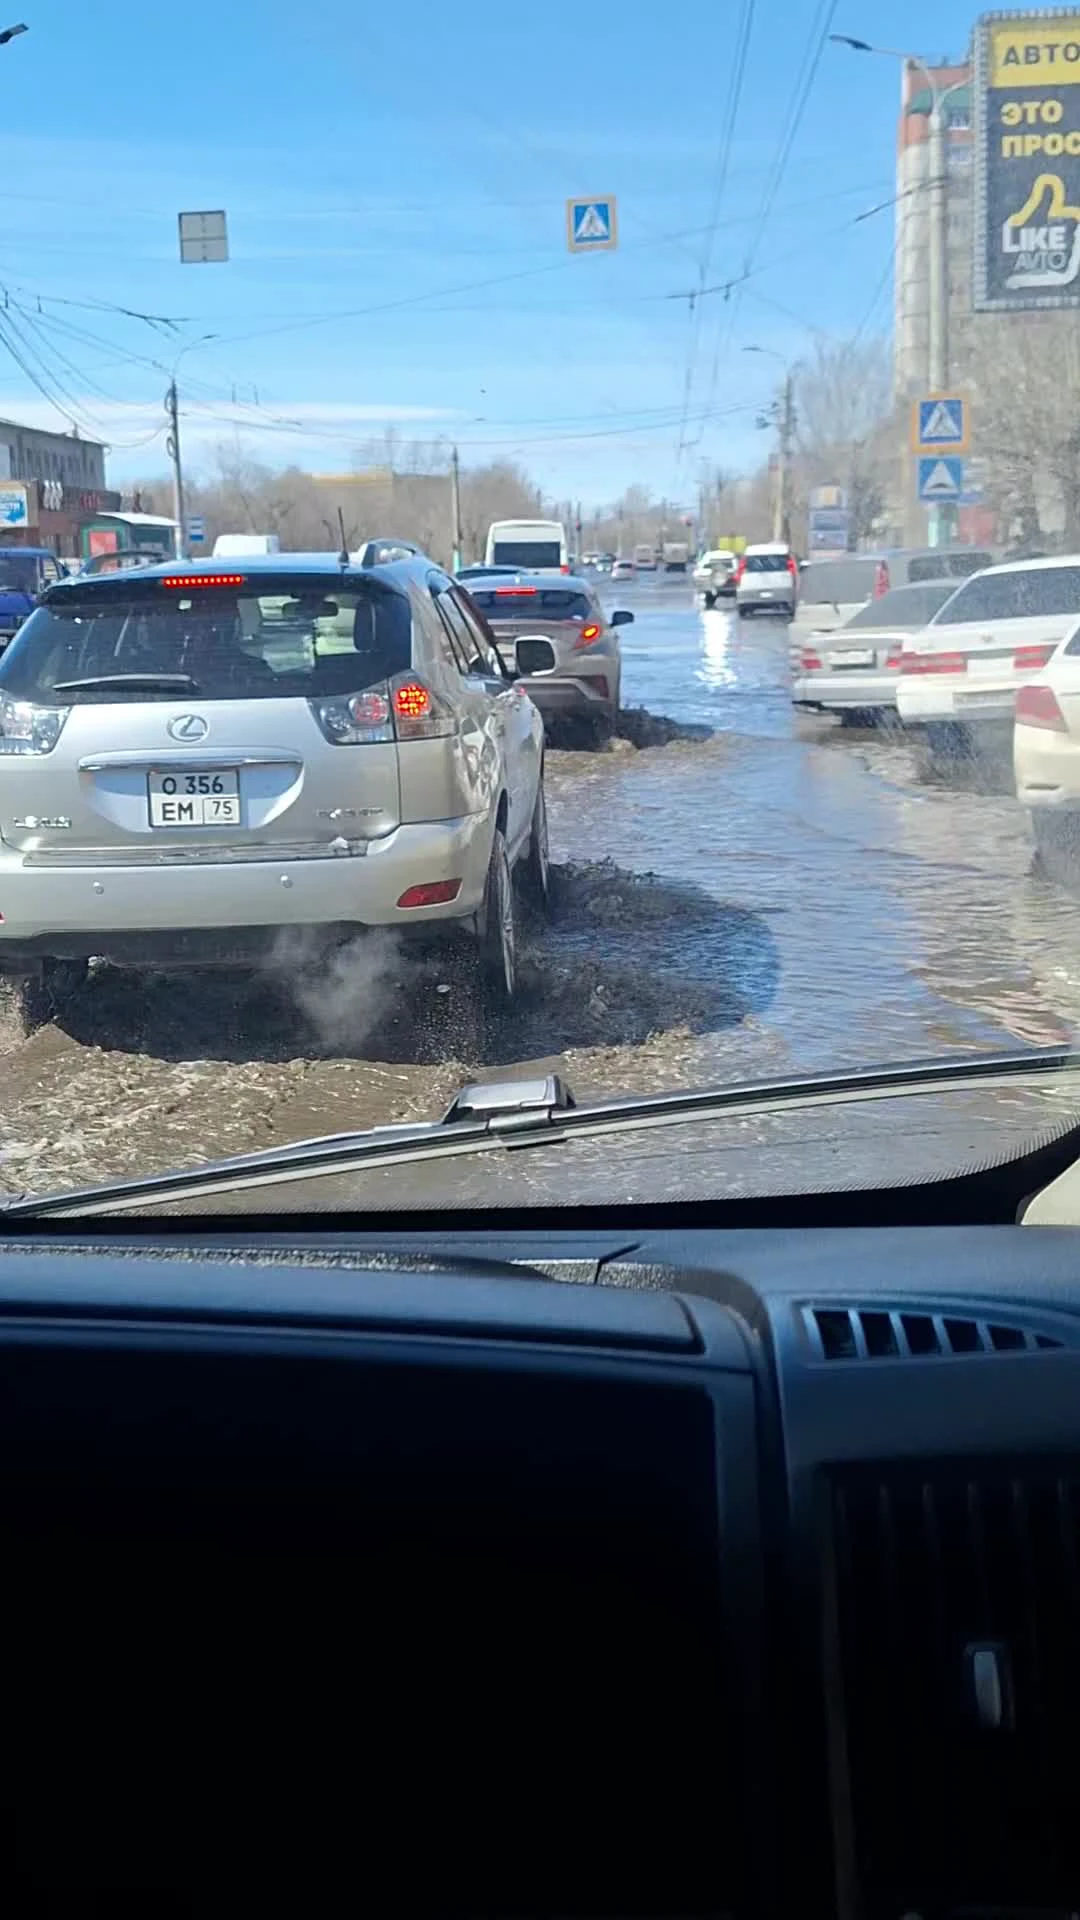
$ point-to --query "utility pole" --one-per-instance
(172, 447)
(455, 505)
(940, 524)
(783, 459)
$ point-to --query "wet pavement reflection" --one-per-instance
(744, 891)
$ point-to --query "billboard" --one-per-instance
(1027, 161)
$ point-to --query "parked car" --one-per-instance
(960, 674)
(832, 589)
(25, 572)
(200, 755)
(585, 678)
(853, 670)
(1046, 758)
(623, 569)
(767, 577)
(714, 575)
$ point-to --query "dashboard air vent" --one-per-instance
(886, 1333)
(952, 1676)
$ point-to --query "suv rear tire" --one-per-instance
(496, 928)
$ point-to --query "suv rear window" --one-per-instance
(953, 566)
(766, 563)
(837, 582)
(1014, 596)
(293, 637)
(508, 603)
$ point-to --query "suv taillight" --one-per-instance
(404, 709)
(419, 714)
(26, 729)
(739, 571)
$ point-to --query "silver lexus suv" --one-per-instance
(195, 756)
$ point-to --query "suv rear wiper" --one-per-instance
(514, 1114)
(175, 682)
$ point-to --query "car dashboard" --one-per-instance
(687, 1573)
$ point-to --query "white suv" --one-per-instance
(767, 577)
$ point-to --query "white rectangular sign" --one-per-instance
(203, 237)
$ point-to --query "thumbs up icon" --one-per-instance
(1042, 239)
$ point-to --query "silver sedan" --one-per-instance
(853, 669)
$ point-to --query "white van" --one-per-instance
(240, 546)
(536, 546)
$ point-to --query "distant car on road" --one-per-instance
(767, 578)
(714, 574)
(585, 678)
(645, 557)
(831, 589)
(960, 674)
(199, 755)
(623, 569)
(854, 670)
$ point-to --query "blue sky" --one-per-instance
(395, 186)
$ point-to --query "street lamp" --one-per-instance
(787, 422)
(938, 273)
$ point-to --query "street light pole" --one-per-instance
(786, 436)
(172, 447)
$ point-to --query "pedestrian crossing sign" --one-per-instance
(939, 424)
(591, 225)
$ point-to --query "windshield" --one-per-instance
(785, 781)
(1014, 596)
(303, 638)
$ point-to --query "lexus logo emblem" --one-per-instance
(189, 726)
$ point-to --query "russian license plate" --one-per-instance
(991, 698)
(983, 666)
(853, 658)
(209, 797)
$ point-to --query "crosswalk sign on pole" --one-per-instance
(940, 424)
(592, 225)
(941, 477)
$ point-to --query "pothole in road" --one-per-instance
(624, 958)
(636, 729)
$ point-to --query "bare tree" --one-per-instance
(845, 427)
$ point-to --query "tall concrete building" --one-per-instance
(911, 337)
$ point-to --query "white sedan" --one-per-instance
(961, 673)
(1046, 758)
(854, 669)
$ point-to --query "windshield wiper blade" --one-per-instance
(175, 682)
(513, 1114)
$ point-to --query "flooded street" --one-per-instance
(762, 893)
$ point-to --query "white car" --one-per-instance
(767, 577)
(959, 676)
(714, 574)
(854, 669)
(1046, 758)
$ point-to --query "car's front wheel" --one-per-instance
(496, 928)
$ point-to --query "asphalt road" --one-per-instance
(740, 892)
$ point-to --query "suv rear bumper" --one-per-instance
(146, 909)
(557, 693)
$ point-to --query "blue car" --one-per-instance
(25, 572)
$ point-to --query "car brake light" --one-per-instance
(516, 591)
(418, 713)
(881, 580)
(180, 581)
(791, 567)
(895, 660)
(432, 893)
(1038, 707)
(1030, 659)
(811, 662)
(561, 570)
(588, 635)
(739, 571)
(933, 663)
